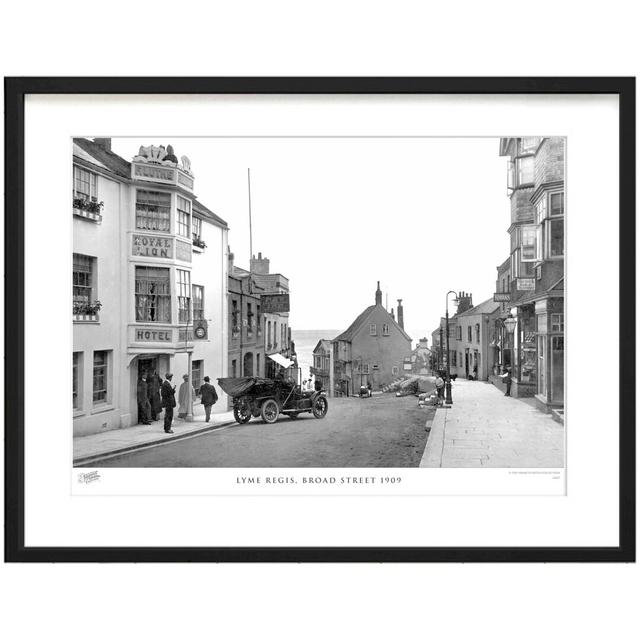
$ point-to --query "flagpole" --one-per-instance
(250, 232)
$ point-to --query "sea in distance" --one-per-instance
(306, 341)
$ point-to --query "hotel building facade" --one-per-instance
(149, 281)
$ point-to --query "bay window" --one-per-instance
(153, 210)
(153, 295)
(184, 295)
(184, 217)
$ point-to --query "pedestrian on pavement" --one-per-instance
(168, 392)
(183, 397)
(507, 380)
(144, 407)
(153, 387)
(208, 397)
(439, 386)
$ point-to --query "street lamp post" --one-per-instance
(448, 399)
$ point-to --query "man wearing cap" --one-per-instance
(168, 392)
(208, 397)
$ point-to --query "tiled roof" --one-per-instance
(361, 320)
(112, 161)
(205, 212)
(488, 306)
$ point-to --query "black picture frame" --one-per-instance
(15, 91)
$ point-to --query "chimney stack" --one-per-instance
(260, 265)
(105, 143)
(378, 295)
(393, 315)
(400, 313)
(465, 302)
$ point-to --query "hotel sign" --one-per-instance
(155, 173)
(274, 303)
(526, 284)
(502, 297)
(145, 334)
(152, 246)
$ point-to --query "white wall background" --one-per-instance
(334, 38)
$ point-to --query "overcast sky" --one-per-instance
(335, 215)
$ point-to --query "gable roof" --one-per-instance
(324, 344)
(361, 320)
(206, 213)
(488, 306)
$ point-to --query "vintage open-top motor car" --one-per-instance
(268, 398)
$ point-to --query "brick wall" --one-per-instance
(549, 161)
(521, 208)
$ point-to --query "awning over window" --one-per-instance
(281, 360)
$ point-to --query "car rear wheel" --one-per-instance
(270, 411)
(320, 407)
(242, 411)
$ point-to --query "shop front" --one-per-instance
(550, 337)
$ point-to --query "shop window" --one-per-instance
(372, 330)
(153, 295)
(77, 380)
(184, 215)
(198, 302)
(184, 295)
(153, 210)
(196, 374)
(542, 380)
(84, 268)
(100, 377)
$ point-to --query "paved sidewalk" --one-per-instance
(484, 428)
(93, 447)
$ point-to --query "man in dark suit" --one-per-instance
(143, 401)
(168, 392)
(208, 397)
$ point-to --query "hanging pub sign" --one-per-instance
(274, 303)
(502, 297)
(526, 284)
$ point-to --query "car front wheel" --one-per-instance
(320, 407)
(270, 411)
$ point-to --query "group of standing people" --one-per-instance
(154, 396)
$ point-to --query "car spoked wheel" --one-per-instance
(242, 411)
(270, 411)
(320, 407)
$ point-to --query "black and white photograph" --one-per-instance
(319, 302)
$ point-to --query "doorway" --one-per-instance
(147, 365)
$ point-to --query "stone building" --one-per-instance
(148, 279)
(472, 355)
(246, 324)
(536, 318)
(374, 349)
(277, 333)
(322, 362)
